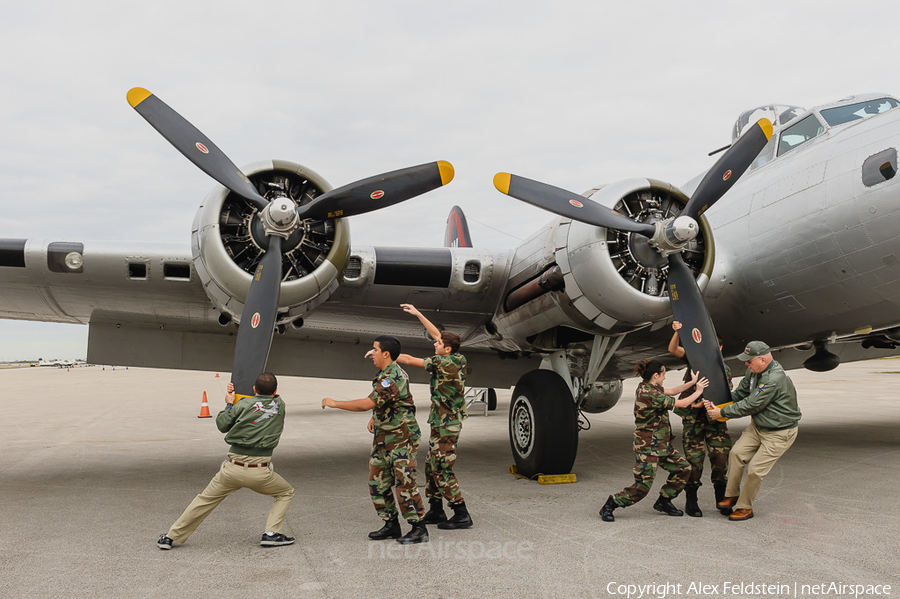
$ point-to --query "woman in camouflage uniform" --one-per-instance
(653, 441)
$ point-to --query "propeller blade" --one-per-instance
(729, 168)
(567, 204)
(195, 146)
(701, 347)
(254, 338)
(379, 191)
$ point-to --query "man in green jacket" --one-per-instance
(767, 394)
(253, 427)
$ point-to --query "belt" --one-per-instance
(236, 463)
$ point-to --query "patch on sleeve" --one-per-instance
(385, 383)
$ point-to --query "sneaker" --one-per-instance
(164, 542)
(275, 540)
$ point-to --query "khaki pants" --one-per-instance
(758, 451)
(229, 479)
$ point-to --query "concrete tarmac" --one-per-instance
(99, 463)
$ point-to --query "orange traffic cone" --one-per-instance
(204, 408)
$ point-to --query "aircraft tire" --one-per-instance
(491, 399)
(543, 424)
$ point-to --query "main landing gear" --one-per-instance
(544, 411)
(543, 424)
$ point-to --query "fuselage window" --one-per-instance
(856, 112)
(797, 135)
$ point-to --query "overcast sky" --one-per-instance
(572, 93)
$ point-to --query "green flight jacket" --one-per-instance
(253, 426)
(769, 397)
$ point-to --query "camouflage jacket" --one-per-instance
(394, 405)
(701, 411)
(652, 432)
(448, 389)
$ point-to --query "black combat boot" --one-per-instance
(460, 519)
(720, 495)
(664, 505)
(606, 512)
(435, 513)
(418, 534)
(390, 530)
(690, 506)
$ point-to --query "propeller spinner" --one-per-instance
(279, 219)
(668, 238)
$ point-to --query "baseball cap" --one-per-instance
(753, 349)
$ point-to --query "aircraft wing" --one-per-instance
(146, 305)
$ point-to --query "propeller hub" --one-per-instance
(673, 235)
(682, 230)
(280, 217)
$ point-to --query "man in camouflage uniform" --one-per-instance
(448, 409)
(701, 436)
(653, 442)
(394, 446)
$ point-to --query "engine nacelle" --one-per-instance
(227, 241)
(600, 397)
(615, 278)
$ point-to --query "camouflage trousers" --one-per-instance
(442, 481)
(645, 471)
(701, 437)
(394, 464)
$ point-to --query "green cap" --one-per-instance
(753, 349)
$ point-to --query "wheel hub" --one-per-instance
(523, 427)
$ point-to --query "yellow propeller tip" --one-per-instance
(501, 182)
(136, 95)
(766, 126)
(447, 171)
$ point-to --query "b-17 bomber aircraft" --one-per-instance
(791, 238)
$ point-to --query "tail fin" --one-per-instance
(457, 233)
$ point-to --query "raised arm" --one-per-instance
(408, 360)
(674, 345)
(352, 405)
(432, 330)
(688, 402)
(227, 417)
(684, 386)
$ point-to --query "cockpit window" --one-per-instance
(855, 112)
(779, 114)
(767, 154)
(798, 134)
